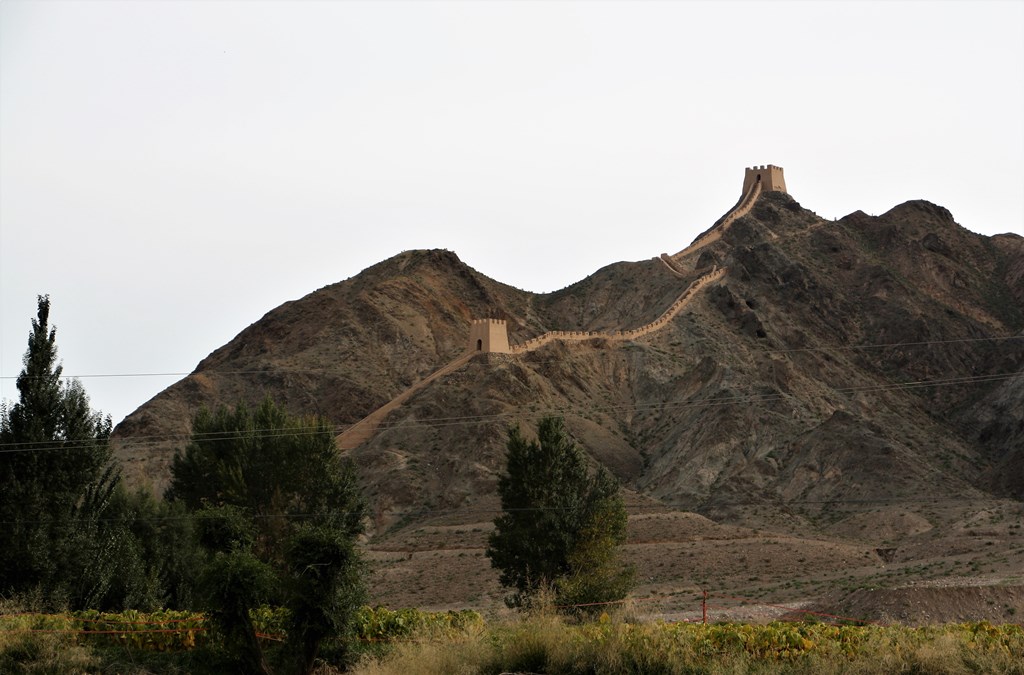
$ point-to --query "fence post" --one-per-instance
(704, 608)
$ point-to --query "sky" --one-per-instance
(171, 171)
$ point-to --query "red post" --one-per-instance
(704, 608)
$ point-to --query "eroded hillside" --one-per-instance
(841, 374)
(788, 378)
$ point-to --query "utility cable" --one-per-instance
(439, 422)
(633, 509)
(328, 371)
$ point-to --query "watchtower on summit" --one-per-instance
(769, 175)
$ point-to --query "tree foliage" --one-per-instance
(165, 552)
(560, 525)
(58, 538)
(278, 513)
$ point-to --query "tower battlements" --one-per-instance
(769, 175)
(489, 335)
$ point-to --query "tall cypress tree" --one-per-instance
(56, 483)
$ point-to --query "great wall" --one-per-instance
(756, 180)
(491, 335)
(666, 316)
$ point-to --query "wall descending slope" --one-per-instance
(741, 209)
(364, 429)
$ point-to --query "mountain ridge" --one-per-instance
(842, 372)
(389, 319)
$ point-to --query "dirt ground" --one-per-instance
(908, 567)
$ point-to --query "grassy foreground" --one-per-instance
(409, 643)
(549, 645)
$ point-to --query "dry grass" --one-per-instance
(525, 646)
(546, 644)
(45, 654)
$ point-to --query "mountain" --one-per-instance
(844, 383)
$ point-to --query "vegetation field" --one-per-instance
(410, 641)
(549, 645)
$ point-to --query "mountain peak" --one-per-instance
(865, 358)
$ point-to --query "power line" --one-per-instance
(635, 509)
(714, 401)
(212, 436)
(323, 371)
(893, 344)
(441, 422)
(94, 375)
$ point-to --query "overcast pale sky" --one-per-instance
(171, 171)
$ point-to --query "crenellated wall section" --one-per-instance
(491, 335)
(660, 322)
(741, 209)
(495, 332)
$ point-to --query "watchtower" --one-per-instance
(769, 175)
(489, 335)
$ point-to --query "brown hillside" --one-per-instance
(848, 386)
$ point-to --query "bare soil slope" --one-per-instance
(840, 403)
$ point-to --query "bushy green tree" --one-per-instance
(560, 526)
(278, 513)
(59, 538)
(164, 555)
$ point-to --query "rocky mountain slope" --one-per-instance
(840, 377)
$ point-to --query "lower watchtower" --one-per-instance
(769, 175)
(489, 335)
